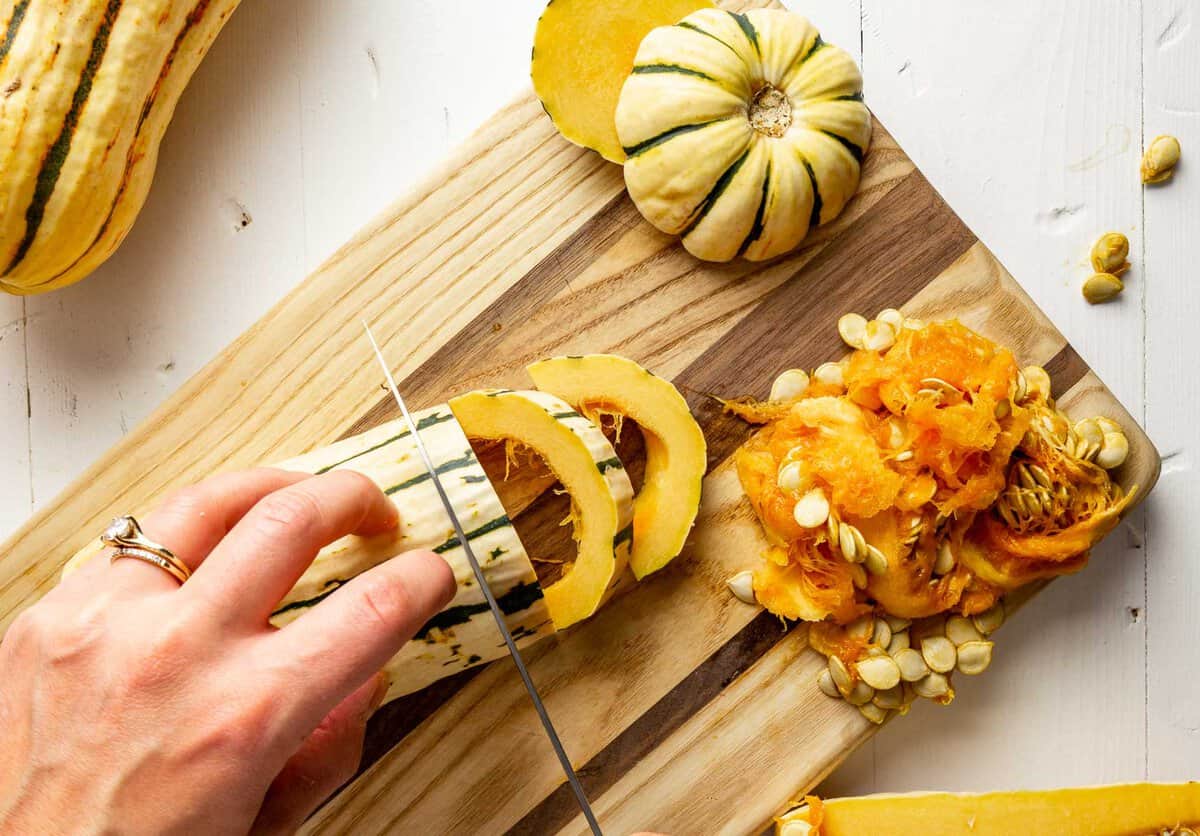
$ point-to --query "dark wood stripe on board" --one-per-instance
(56, 156)
(641, 737)
(1065, 369)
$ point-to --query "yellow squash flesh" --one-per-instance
(582, 51)
(666, 507)
(583, 460)
(1122, 810)
(741, 131)
(87, 88)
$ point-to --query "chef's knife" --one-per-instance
(538, 706)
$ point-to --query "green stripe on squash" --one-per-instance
(678, 69)
(56, 157)
(715, 193)
(647, 144)
(14, 26)
(422, 424)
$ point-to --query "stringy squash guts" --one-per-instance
(583, 460)
(1121, 810)
(665, 509)
(919, 480)
(582, 53)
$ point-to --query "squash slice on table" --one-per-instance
(582, 52)
(1121, 810)
(666, 507)
(463, 634)
(584, 461)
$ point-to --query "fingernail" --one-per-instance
(382, 684)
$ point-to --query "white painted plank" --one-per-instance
(15, 499)
(1024, 115)
(1171, 48)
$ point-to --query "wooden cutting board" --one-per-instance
(684, 709)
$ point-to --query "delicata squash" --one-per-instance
(87, 89)
(906, 489)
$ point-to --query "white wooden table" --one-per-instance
(310, 116)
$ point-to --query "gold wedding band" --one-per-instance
(125, 535)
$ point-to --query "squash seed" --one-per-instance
(912, 664)
(880, 672)
(1037, 381)
(825, 683)
(939, 653)
(796, 827)
(812, 509)
(933, 687)
(1020, 387)
(875, 561)
(1109, 254)
(1003, 409)
(1108, 425)
(852, 328)
(829, 373)
(873, 713)
(896, 433)
(945, 561)
(879, 336)
(974, 657)
(858, 575)
(1113, 451)
(789, 385)
(911, 323)
(899, 642)
(848, 543)
(892, 317)
(789, 477)
(861, 628)
(890, 698)
(906, 456)
(1160, 159)
(1101, 287)
(1088, 430)
(989, 621)
(961, 630)
(882, 633)
(896, 623)
(742, 587)
(860, 694)
(840, 675)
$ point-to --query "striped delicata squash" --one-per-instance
(741, 131)
(87, 88)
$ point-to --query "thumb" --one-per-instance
(326, 760)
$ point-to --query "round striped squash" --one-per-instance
(87, 88)
(741, 131)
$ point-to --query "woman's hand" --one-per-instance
(131, 704)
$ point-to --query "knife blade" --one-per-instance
(538, 705)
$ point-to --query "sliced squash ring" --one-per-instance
(676, 456)
(584, 461)
(582, 53)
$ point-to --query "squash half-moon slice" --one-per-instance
(583, 460)
(676, 459)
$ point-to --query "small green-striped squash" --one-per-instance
(666, 506)
(583, 460)
(87, 88)
(741, 131)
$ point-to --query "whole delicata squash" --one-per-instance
(741, 131)
(906, 489)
